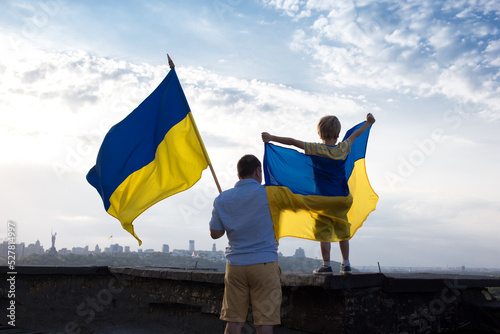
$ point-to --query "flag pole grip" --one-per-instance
(215, 178)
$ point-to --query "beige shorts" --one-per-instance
(258, 283)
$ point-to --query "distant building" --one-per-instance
(31, 249)
(214, 248)
(149, 250)
(127, 249)
(64, 251)
(191, 245)
(97, 250)
(80, 250)
(20, 248)
(115, 249)
(300, 253)
(4, 250)
(165, 249)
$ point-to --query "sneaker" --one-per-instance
(323, 270)
(345, 270)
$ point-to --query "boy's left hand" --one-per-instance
(370, 119)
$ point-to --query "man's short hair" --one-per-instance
(247, 165)
(329, 127)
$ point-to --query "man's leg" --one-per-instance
(264, 329)
(236, 299)
(234, 327)
(266, 296)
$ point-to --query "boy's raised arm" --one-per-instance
(369, 121)
(266, 138)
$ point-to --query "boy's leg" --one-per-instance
(345, 267)
(344, 249)
(325, 268)
(325, 250)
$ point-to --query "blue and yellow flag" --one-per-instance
(153, 153)
(317, 198)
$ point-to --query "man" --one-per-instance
(252, 271)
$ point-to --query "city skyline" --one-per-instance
(218, 255)
(37, 243)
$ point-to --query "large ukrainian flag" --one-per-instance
(155, 152)
(317, 198)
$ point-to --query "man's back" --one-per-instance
(243, 212)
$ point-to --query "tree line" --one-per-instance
(156, 259)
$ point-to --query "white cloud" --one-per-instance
(290, 7)
(441, 36)
(467, 8)
(403, 38)
(414, 48)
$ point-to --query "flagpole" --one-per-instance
(205, 153)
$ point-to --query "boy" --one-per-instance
(328, 130)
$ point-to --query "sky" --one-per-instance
(428, 70)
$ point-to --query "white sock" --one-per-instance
(327, 263)
(346, 262)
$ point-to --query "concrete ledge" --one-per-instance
(199, 275)
(58, 270)
(423, 282)
(332, 282)
(414, 282)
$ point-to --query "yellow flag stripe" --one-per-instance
(310, 217)
(323, 218)
(364, 197)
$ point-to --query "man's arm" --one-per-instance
(266, 138)
(216, 234)
(215, 225)
(369, 121)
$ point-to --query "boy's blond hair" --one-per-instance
(329, 127)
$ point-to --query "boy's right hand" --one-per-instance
(266, 137)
